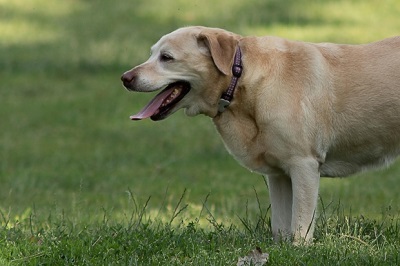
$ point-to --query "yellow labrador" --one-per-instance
(289, 110)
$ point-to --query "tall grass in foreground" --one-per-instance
(139, 240)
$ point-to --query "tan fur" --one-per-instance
(300, 111)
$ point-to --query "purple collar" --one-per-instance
(237, 69)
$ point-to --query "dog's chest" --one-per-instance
(244, 142)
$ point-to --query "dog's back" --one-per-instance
(365, 108)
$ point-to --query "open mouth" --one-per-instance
(162, 104)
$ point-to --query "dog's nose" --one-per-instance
(127, 79)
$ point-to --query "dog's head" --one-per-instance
(190, 66)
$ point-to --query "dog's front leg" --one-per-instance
(305, 184)
(280, 193)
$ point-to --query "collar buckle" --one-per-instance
(222, 105)
(237, 69)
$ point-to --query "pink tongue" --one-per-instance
(151, 108)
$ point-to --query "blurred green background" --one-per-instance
(67, 145)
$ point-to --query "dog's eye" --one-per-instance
(164, 57)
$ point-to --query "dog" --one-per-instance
(291, 111)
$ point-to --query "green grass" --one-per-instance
(83, 185)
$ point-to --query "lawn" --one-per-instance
(83, 185)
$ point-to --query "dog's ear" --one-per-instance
(221, 46)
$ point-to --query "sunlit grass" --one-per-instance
(70, 158)
(32, 22)
(336, 21)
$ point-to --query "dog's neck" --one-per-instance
(237, 69)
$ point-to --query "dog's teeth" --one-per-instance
(174, 93)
